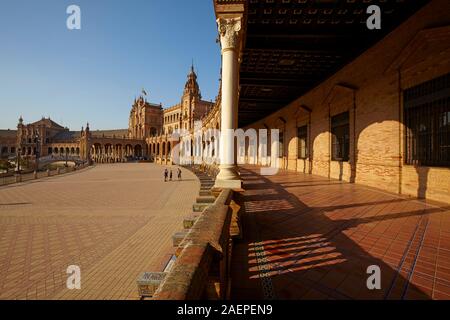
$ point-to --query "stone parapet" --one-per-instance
(203, 260)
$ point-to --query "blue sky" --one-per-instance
(93, 74)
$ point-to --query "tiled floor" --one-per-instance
(114, 221)
(307, 237)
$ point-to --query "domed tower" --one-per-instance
(191, 97)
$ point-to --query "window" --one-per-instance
(281, 145)
(340, 129)
(427, 123)
(302, 136)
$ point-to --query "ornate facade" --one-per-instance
(180, 116)
(146, 119)
(147, 136)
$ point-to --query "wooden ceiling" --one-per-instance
(293, 45)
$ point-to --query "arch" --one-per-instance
(50, 150)
(169, 149)
(72, 150)
(55, 150)
(138, 150)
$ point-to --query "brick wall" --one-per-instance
(370, 89)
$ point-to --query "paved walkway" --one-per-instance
(114, 221)
(308, 237)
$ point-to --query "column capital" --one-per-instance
(230, 32)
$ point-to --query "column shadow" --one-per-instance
(303, 249)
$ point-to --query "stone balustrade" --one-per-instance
(201, 270)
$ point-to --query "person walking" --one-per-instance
(165, 175)
(179, 173)
(170, 176)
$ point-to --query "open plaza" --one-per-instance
(321, 170)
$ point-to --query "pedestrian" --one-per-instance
(170, 175)
(179, 174)
(165, 175)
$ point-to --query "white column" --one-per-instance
(230, 32)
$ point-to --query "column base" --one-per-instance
(228, 184)
(228, 178)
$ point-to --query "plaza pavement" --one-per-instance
(114, 221)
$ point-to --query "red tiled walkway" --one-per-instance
(307, 237)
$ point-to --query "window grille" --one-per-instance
(340, 129)
(427, 123)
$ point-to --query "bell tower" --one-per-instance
(191, 97)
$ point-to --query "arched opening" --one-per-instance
(138, 150)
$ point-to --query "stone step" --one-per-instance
(206, 199)
(209, 183)
(205, 193)
(148, 282)
(178, 237)
(199, 207)
(189, 221)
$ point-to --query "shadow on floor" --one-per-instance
(317, 243)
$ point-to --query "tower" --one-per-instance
(85, 144)
(191, 97)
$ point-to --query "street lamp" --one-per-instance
(19, 151)
(37, 141)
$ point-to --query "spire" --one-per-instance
(191, 85)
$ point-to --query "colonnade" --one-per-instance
(112, 153)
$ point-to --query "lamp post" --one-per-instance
(19, 151)
(37, 141)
